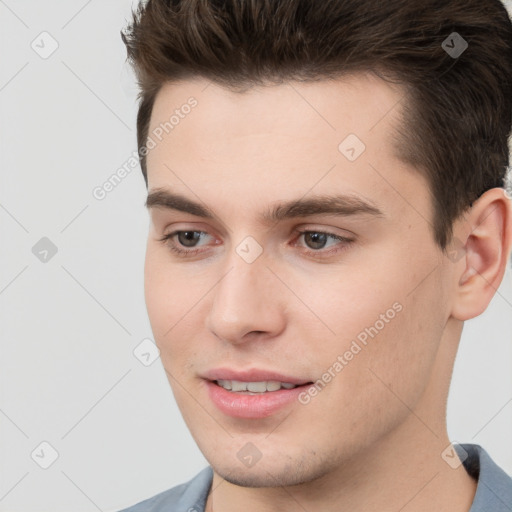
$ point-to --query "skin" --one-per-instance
(372, 438)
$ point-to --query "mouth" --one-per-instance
(254, 388)
(252, 398)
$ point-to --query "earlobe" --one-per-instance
(488, 237)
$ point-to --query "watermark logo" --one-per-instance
(454, 45)
(146, 352)
(351, 147)
(44, 250)
(44, 45)
(249, 455)
(249, 249)
(456, 251)
(44, 455)
(454, 458)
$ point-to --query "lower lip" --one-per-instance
(262, 405)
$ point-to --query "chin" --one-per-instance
(261, 478)
(274, 473)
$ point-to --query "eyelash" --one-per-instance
(310, 252)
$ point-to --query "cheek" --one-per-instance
(166, 294)
(156, 293)
(401, 358)
(367, 396)
(389, 335)
(174, 299)
(352, 303)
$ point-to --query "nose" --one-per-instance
(246, 303)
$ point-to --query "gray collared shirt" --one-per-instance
(493, 492)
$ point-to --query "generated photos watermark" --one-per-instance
(100, 192)
(355, 348)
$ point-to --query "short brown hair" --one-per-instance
(457, 116)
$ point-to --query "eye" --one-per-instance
(187, 238)
(317, 240)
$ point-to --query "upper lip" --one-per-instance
(251, 375)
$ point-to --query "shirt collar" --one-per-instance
(494, 486)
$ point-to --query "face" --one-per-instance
(290, 258)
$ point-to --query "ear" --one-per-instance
(485, 241)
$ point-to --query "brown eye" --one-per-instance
(315, 240)
(321, 244)
(185, 243)
(188, 238)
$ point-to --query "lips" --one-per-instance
(253, 393)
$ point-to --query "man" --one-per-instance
(325, 189)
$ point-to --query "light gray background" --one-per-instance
(69, 326)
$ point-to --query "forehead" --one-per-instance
(280, 141)
(358, 103)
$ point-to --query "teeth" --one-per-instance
(254, 387)
(226, 384)
(257, 387)
(273, 385)
(238, 386)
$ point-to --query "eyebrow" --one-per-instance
(338, 205)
